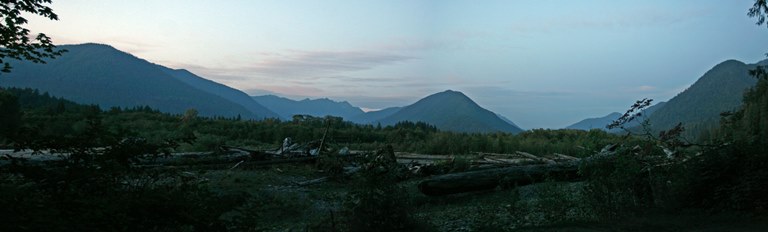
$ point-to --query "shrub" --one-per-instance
(377, 203)
(616, 185)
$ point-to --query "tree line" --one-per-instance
(49, 116)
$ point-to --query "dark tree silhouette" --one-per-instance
(15, 41)
(759, 10)
(10, 114)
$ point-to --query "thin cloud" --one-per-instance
(381, 102)
(305, 65)
(413, 44)
(320, 63)
(295, 90)
(495, 92)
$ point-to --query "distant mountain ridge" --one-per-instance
(507, 120)
(699, 106)
(602, 122)
(374, 116)
(449, 110)
(100, 74)
(452, 111)
(286, 108)
(220, 90)
(595, 123)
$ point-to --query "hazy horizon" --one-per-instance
(542, 64)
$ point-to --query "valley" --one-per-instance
(374, 116)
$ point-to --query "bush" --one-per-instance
(616, 185)
(134, 202)
(377, 203)
(730, 178)
(101, 189)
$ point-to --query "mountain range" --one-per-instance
(371, 117)
(595, 123)
(449, 110)
(286, 108)
(720, 89)
(602, 122)
(220, 90)
(698, 107)
(102, 75)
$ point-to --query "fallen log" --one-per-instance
(490, 178)
(517, 175)
(404, 155)
(228, 165)
(537, 158)
(254, 154)
(519, 161)
(563, 157)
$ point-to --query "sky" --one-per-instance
(542, 64)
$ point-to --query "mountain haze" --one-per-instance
(507, 120)
(452, 111)
(373, 116)
(286, 108)
(602, 122)
(595, 123)
(100, 74)
(220, 90)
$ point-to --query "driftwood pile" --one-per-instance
(521, 171)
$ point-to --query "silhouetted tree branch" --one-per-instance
(759, 10)
(15, 41)
(634, 112)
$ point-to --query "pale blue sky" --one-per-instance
(540, 63)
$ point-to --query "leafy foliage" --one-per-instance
(100, 189)
(758, 10)
(726, 174)
(616, 186)
(53, 115)
(128, 135)
(731, 176)
(97, 186)
(15, 41)
(633, 113)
